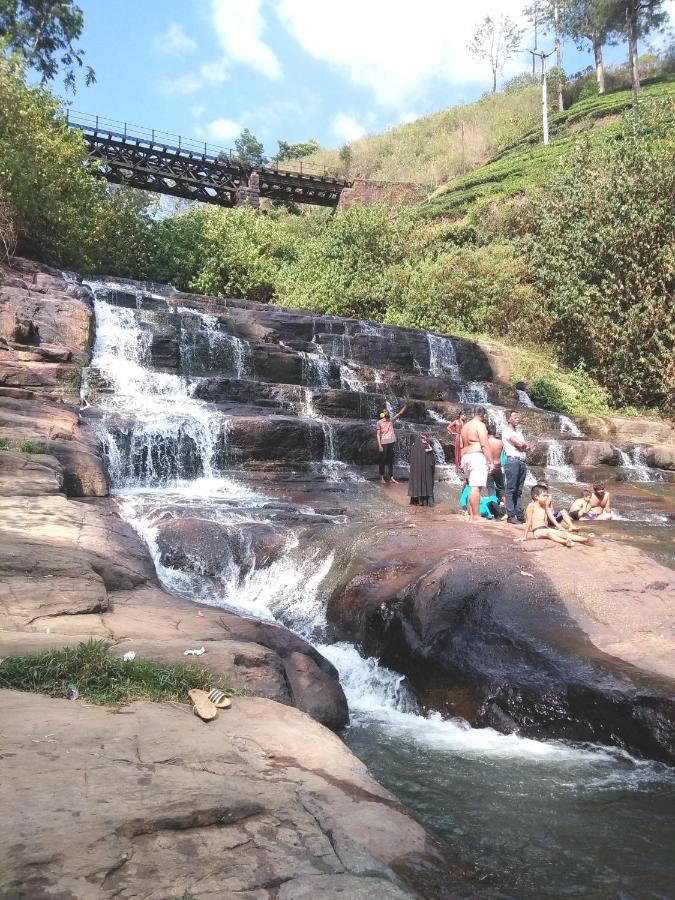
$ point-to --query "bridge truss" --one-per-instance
(145, 159)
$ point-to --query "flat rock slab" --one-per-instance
(106, 802)
(29, 474)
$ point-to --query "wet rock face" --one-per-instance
(210, 548)
(478, 640)
(275, 440)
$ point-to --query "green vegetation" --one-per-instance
(27, 446)
(527, 163)
(436, 148)
(24, 446)
(50, 202)
(567, 249)
(100, 677)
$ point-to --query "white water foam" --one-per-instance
(524, 399)
(375, 693)
(442, 357)
(169, 429)
(636, 466)
(567, 426)
(556, 467)
(473, 393)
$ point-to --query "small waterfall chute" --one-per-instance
(442, 357)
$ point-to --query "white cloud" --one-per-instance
(239, 26)
(174, 41)
(397, 53)
(184, 85)
(213, 72)
(223, 129)
(346, 128)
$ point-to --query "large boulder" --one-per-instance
(274, 363)
(662, 457)
(263, 802)
(484, 634)
(212, 548)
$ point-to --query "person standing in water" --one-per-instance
(476, 458)
(422, 470)
(454, 429)
(515, 449)
(496, 483)
(386, 441)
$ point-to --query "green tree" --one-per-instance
(250, 151)
(296, 151)
(44, 33)
(640, 17)
(496, 40)
(595, 22)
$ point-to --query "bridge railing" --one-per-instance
(125, 131)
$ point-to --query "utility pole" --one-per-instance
(544, 90)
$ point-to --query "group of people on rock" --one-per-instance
(496, 464)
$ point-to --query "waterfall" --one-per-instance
(436, 417)
(473, 393)
(636, 466)
(442, 357)
(567, 426)
(155, 430)
(350, 380)
(524, 399)
(556, 464)
(207, 348)
(315, 369)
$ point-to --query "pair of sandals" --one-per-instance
(205, 705)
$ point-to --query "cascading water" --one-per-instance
(567, 426)
(442, 357)
(635, 465)
(472, 393)
(556, 466)
(155, 430)
(315, 369)
(206, 347)
(524, 399)
(425, 759)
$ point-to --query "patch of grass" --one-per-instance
(27, 446)
(100, 677)
(4, 444)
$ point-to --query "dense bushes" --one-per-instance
(601, 253)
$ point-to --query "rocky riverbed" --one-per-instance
(185, 472)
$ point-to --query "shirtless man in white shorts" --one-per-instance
(476, 458)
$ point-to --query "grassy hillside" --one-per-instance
(433, 149)
(527, 162)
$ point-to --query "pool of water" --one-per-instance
(575, 822)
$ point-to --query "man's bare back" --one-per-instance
(495, 446)
(474, 437)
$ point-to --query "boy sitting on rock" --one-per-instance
(537, 522)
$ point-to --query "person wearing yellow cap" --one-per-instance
(386, 441)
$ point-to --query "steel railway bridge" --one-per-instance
(168, 164)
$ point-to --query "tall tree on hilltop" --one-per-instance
(250, 151)
(496, 40)
(596, 22)
(43, 33)
(640, 17)
(296, 151)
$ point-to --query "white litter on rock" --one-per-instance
(194, 652)
(131, 654)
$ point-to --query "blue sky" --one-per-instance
(289, 69)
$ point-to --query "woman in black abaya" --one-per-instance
(422, 468)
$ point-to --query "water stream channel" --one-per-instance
(537, 819)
